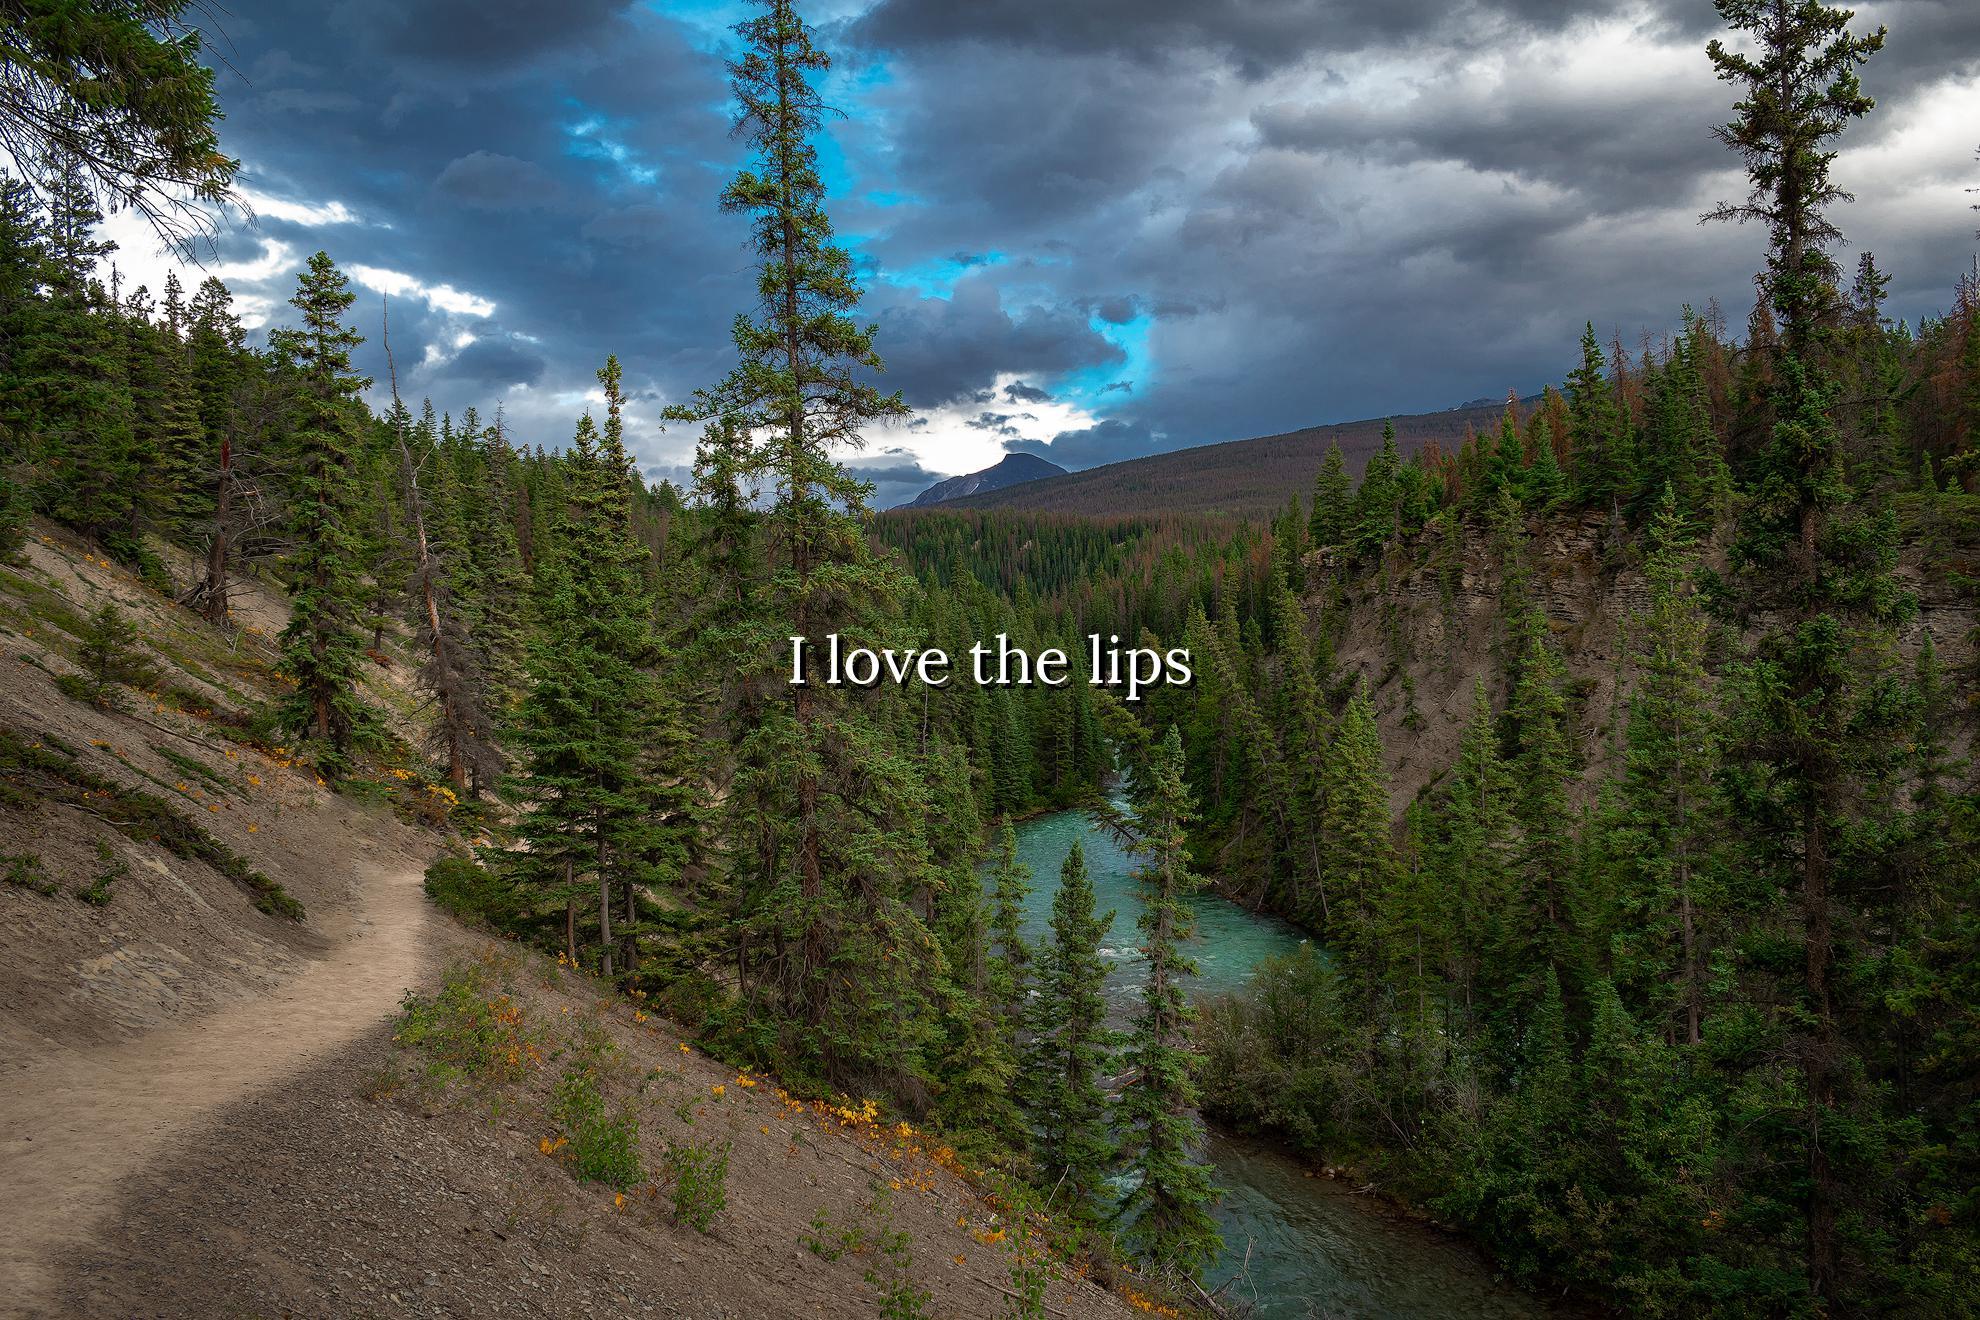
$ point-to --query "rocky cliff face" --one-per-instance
(1424, 623)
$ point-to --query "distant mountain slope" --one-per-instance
(1245, 478)
(1014, 470)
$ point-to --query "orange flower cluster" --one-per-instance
(899, 1142)
(1148, 1304)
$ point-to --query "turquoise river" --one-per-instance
(1316, 1249)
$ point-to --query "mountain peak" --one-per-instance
(1013, 470)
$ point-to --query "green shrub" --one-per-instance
(469, 1028)
(700, 1177)
(472, 892)
(892, 1270)
(25, 870)
(604, 1146)
(97, 894)
(822, 1241)
(900, 1297)
(109, 655)
(79, 687)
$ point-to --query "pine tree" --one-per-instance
(1010, 953)
(501, 623)
(73, 366)
(170, 411)
(1361, 863)
(1504, 470)
(593, 716)
(1821, 566)
(1071, 1044)
(1600, 465)
(322, 647)
(1543, 486)
(1166, 1210)
(1332, 499)
(1373, 517)
(842, 849)
(1543, 934)
(1469, 854)
(1671, 823)
(238, 404)
(463, 729)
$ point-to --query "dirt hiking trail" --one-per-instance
(72, 1128)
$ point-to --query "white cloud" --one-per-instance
(295, 212)
(967, 436)
(442, 297)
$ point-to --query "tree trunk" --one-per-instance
(213, 605)
(570, 916)
(604, 907)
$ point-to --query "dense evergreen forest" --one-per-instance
(1688, 1029)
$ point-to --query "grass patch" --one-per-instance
(193, 768)
(892, 1249)
(30, 771)
(40, 605)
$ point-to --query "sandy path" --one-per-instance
(71, 1129)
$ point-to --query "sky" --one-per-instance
(1091, 230)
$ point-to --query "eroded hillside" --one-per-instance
(1423, 623)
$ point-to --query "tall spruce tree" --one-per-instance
(1072, 1047)
(463, 728)
(1816, 568)
(1361, 869)
(1332, 500)
(592, 712)
(843, 847)
(1597, 462)
(73, 365)
(1671, 821)
(322, 645)
(1166, 1208)
(1010, 953)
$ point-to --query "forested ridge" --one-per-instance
(1666, 997)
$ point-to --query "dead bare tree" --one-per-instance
(464, 732)
(246, 514)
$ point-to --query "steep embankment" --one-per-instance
(78, 1123)
(1422, 623)
(214, 1107)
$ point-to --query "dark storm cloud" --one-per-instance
(519, 154)
(1194, 219)
(495, 364)
(943, 349)
(895, 474)
(1258, 34)
(1109, 442)
(1619, 153)
(480, 33)
(490, 181)
(1341, 209)
(637, 226)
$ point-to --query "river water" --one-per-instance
(1316, 1249)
